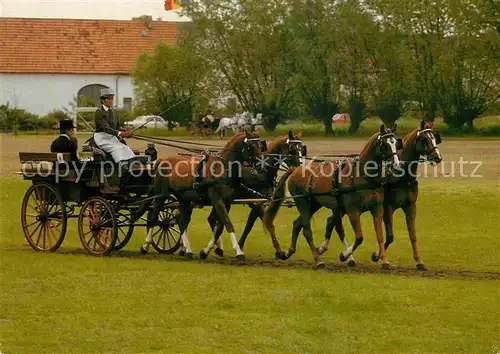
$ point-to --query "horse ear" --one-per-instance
(394, 128)
(300, 135)
(290, 135)
(382, 129)
(422, 124)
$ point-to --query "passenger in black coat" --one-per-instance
(66, 142)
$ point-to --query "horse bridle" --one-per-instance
(421, 132)
(248, 142)
(379, 140)
(302, 149)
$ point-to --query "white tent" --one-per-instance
(340, 118)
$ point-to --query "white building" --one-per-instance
(46, 63)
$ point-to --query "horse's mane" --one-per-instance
(234, 139)
(276, 142)
(409, 137)
(368, 146)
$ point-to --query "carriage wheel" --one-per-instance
(43, 217)
(191, 129)
(208, 131)
(97, 226)
(125, 230)
(166, 235)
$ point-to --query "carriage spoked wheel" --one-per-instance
(192, 129)
(125, 228)
(166, 234)
(97, 226)
(208, 131)
(43, 217)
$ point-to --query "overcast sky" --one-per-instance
(89, 9)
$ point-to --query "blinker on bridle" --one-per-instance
(380, 137)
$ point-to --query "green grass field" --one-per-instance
(71, 302)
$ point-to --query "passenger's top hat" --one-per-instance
(106, 92)
(66, 124)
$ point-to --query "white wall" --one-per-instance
(42, 93)
(88, 9)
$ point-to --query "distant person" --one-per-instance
(66, 142)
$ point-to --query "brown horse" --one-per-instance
(347, 188)
(401, 189)
(220, 180)
(287, 149)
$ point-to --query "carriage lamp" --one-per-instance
(152, 151)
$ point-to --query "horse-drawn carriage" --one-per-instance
(59, 192)
(204, 126)
(106, 222)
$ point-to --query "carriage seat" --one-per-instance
(102, 156)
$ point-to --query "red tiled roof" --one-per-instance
(77, 46)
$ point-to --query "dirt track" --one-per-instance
(360, 269)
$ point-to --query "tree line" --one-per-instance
(290, 58)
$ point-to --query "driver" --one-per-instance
(107, 134)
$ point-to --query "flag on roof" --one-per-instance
(174, 4)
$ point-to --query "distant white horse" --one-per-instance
(239, 122)
(226, 124)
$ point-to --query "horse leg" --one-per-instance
(330, 225)
(220, 207)
(257, 211)
(219, 248)
(355, 220)
(152, 221)
(296, 228)
(217, 229)
(335, 221)
(185, 212)
(410, 211)
(307, 231)
(252, 217)
(307, 209)
(378, 213)
(389, 233)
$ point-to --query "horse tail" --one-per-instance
(220, 125)
(277, 201)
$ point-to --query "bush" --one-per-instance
(51, 120)
(15, 119)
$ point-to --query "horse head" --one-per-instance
(294, 148)
(382, 149)
(243, 147)
(426, 143)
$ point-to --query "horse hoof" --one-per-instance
(421, 266)
(319, 265)
(203, 255)
(189, 255)
(386, 266)
(219, 252)
(143, 251)
(280, 255)
(241, 258)
(351, 263)
(375, 257)
(182, 253)
(342, 257)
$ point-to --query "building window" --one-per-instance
(127, 103)
(88, 96)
